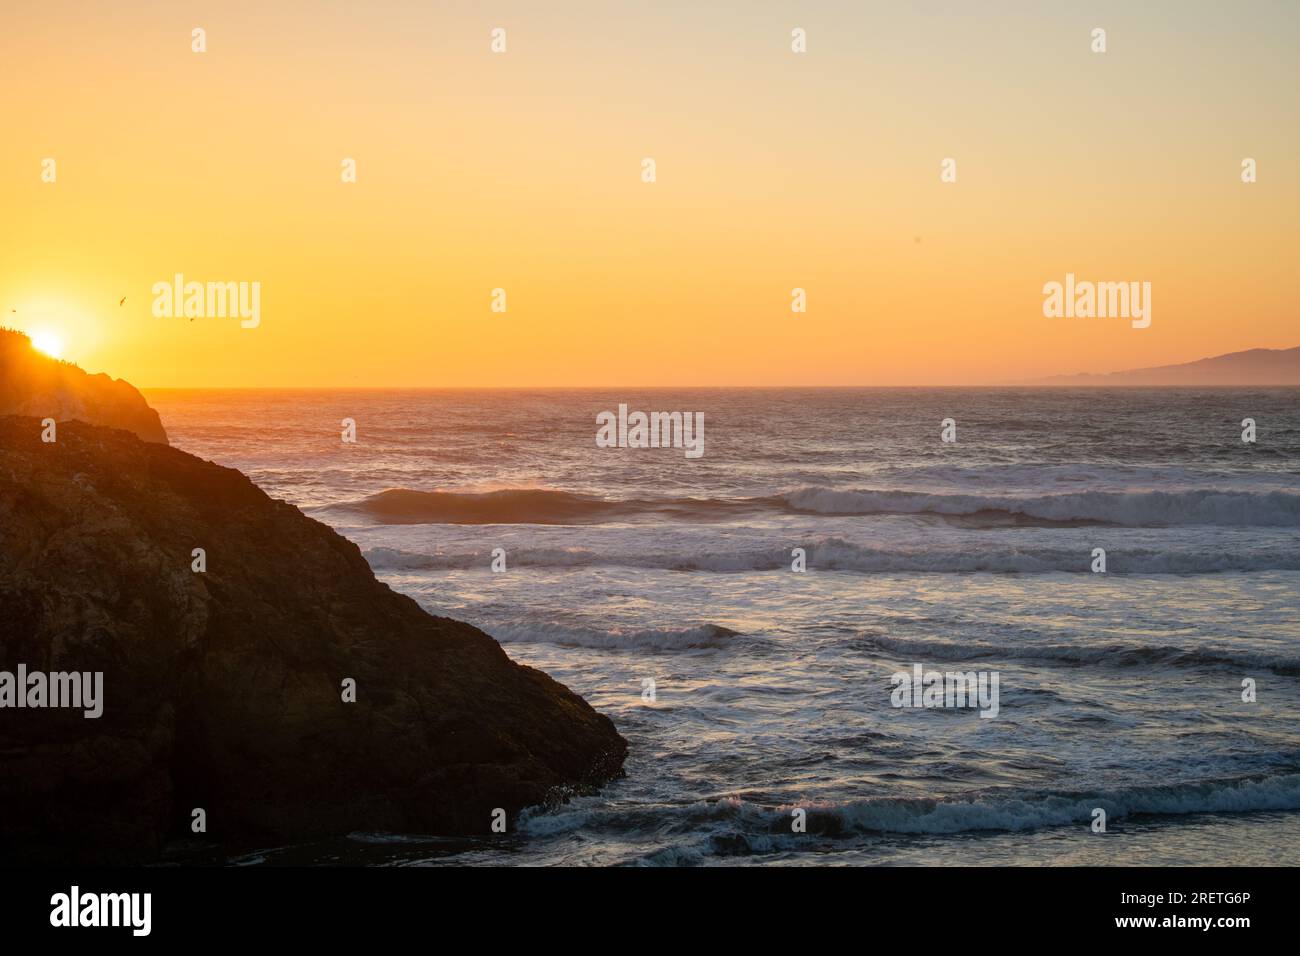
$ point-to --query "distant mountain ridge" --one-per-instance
(1251, 367)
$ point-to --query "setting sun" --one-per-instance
(48, 342)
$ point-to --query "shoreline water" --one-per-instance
(771, 685)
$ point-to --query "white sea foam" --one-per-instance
(1011, 811)
(618, 566)
(1032, 811)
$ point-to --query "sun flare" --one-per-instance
(48, 342)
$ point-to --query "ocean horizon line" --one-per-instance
(697, 388)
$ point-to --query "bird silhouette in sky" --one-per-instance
(119, 305)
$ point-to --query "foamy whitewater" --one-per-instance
(1119, 690)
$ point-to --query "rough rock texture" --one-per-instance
(35, 384)
(223, 689)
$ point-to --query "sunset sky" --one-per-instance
(522, 171)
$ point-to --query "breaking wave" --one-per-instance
(834, 554)
(651, 639)
(737, 822)
(549, 506)
(1031, 811)
(1109, 655)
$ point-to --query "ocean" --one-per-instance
(757, 699)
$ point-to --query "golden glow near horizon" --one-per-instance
(47, 342)
(522, 171)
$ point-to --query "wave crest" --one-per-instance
(550, 506)
(835, 554)
(651, 639)
(1029, 812)
(761, 827)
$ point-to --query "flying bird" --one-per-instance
(119, 305)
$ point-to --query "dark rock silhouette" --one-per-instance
(35, 384)
(222, 690)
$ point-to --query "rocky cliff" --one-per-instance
(35, 384)
(223, 689)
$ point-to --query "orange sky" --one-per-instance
(522, 171)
